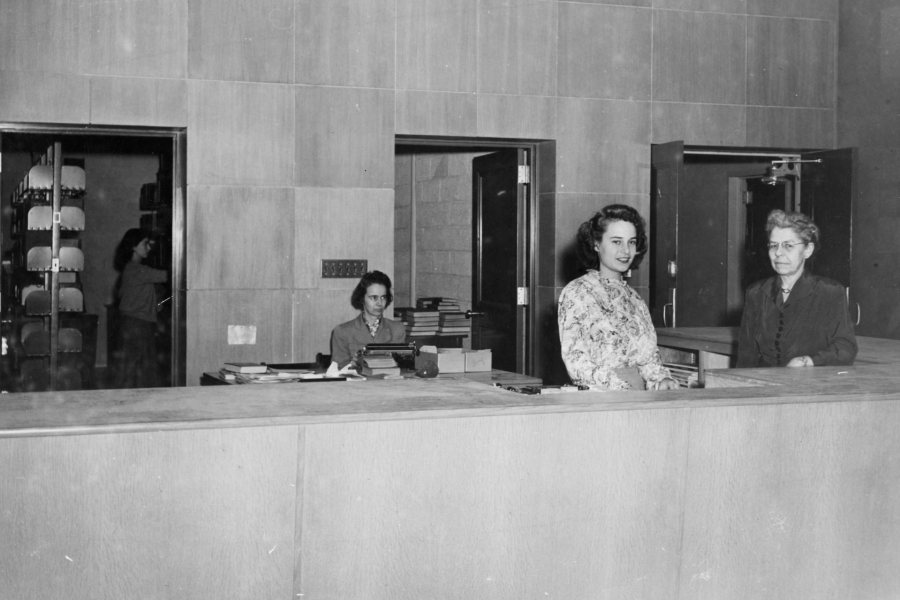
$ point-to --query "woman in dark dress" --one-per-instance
(137, 308)
(795, 319)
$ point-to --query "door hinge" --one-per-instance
(524, 174)
(748, 197)
(672, 268)
(521, 296)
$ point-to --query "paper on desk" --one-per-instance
(333, 370)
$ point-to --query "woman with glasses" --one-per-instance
(371, 297)
(794, 319)
(607, 339)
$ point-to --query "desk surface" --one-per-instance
(196, 407)
(494, 376)
(875, 376)
(723, 340)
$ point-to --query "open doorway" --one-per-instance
(709, 209)
(750, 200)
(465, 222)
(132, 178)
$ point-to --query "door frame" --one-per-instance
(178, 136)
(667, 239)
(484, 168)
(738, 197)
(540, 155)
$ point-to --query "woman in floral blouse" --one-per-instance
(607, 338)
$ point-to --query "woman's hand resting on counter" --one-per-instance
(801, 361)
(665, 384)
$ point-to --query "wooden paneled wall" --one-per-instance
(435, 190)
(727, 502)
(291, 108)
(193, 514)
(869, 84)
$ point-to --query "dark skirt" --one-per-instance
(137, 343)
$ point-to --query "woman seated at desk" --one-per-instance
(371, 297)
(794, 319)
(608, 341)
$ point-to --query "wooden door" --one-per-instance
(826, 196)
(499, 269)
(825, 193)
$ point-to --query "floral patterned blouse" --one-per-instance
(604, 325)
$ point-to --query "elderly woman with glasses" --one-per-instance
(371, 297)
(794, 319)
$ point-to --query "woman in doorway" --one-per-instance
(371, 297)
(136, 295)
(794, 319)
(607, 338)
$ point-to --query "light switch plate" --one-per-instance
(344, 268)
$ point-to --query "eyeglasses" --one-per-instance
(377, 298)
(786, 246)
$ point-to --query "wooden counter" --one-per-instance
(783, 488)
(716, 347)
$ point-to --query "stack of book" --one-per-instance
(438, 303)
(454, 323)
(452, 320)
(378, 364)
(254, 368)
(420, 321)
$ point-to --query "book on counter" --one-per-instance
(373, 372)
(379, 361)
(378, 365)
(438, 303)
(245, 367)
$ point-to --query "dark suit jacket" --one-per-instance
(347, 338)
(813, 322)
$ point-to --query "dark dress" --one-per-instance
(137, 325)
(814, 322)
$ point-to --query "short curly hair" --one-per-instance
(591, 231)
(800, 223)
(356, 299)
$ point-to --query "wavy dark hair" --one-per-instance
(356, 299)
(125, 249)
(591, 231)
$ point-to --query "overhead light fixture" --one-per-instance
(770, 178)
(780, 169)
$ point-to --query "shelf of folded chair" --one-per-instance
(38, 301)
(39, 180)
(39, 258)
(40, 218)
